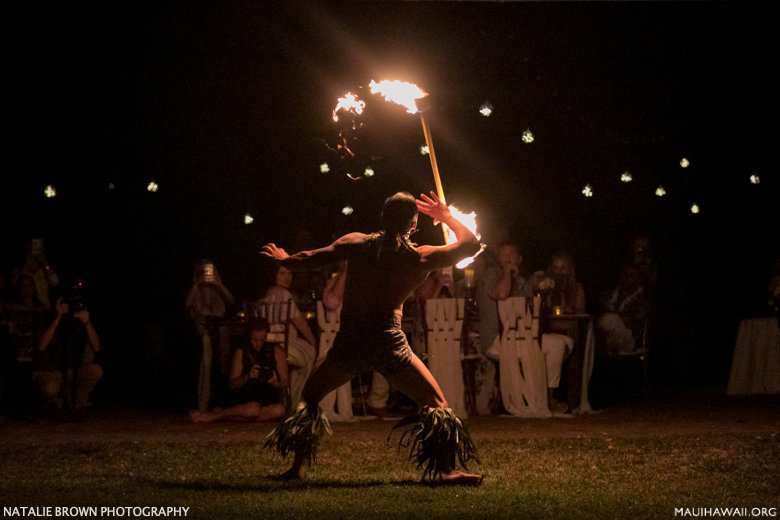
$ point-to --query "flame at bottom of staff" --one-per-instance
(470, 221)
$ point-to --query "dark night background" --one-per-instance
(221, 103)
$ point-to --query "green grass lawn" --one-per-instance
(593, 468)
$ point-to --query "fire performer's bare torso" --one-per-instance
(381, 277)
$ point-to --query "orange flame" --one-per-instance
(350, 103)
(470, 221)
(400, 92)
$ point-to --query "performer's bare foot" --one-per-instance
(458, 478)
(292, 474)
(196, 416)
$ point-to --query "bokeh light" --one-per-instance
(347, 210)
(486, 109)
(49, 191)
(587, 190)
(660, 191)
(324, 168)
(528, 137)
(153, 187)
(626, 177)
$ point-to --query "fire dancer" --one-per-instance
(385, 268)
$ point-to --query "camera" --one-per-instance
(75, 297)
(267, 364)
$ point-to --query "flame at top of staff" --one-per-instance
(400, 92)
(350, 103)
(470, 221)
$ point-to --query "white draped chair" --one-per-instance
(337, 404)
(521, 361)
(444, 317)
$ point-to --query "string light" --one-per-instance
(626, 177)
(248, 219)
(528, 137)
(369, 172)
(695, 208)
(324, 168)
(49, 191)
(684, 163)
(486, 109)
(660, 191)
(347, 210)
(587, 190)
(152, 187)
(111, 186)
(755, 179)
(424, 150)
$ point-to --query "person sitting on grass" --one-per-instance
(258, 379)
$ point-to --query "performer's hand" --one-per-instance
(433, 207)
(272, 251)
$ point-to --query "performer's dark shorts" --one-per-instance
(378, 344)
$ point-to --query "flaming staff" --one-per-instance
(406, 94)
(351, 105)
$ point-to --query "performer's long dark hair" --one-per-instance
(397, 217)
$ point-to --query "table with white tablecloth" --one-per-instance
(755, 367)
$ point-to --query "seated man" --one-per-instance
(63, 370)
(502, 282)
(258, 374)
(627, 311)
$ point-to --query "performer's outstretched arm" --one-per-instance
(317, 258)
(434, 257)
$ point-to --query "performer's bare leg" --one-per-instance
(416, 381)
(326, 377)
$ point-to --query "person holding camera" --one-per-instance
(208, 302)
(259, 378)
(64, 370)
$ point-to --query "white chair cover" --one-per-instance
(521, 362)
(444, 317)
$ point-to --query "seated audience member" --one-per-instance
(301, 352)
(627, 310)
(643, 256)
(37, 267)
(208, 301)
(64, 369)
(566, 291)
(258, 377)
(499, 281)
(504, 281)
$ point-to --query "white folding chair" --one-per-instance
(521, 361)
(444, 317)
